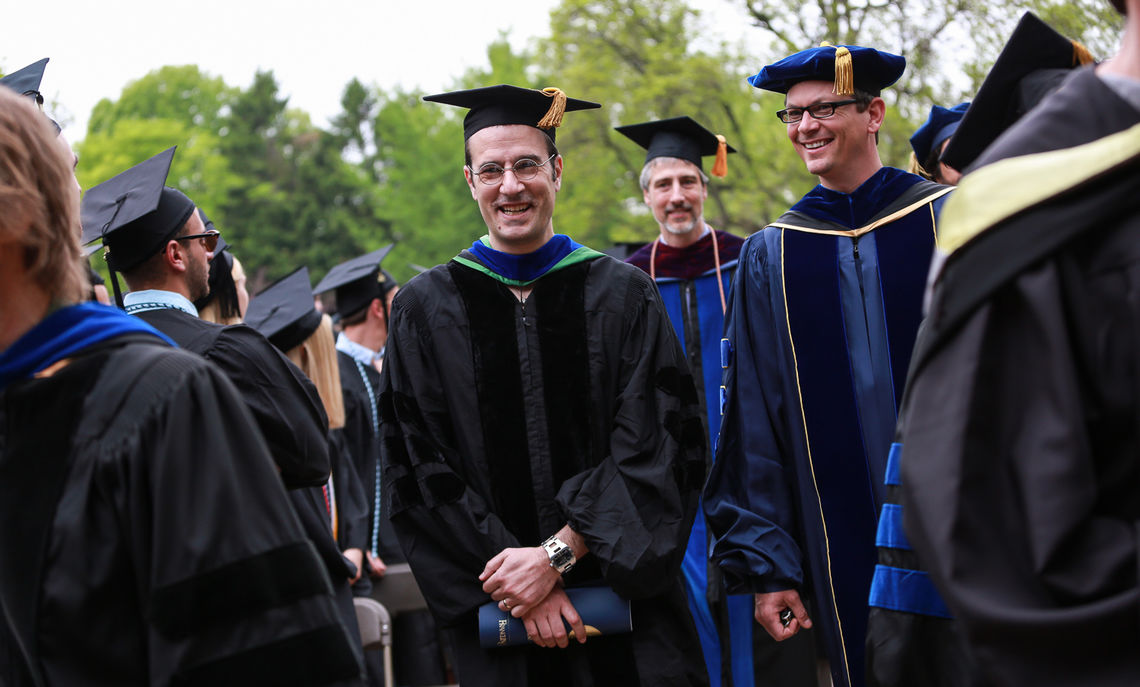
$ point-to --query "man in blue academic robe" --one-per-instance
(693, 265)
(825, 307)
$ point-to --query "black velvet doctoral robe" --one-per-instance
(283, 401)
(146, 537)
(1021, 475)
(503, 421)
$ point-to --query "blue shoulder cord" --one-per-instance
(375, 433)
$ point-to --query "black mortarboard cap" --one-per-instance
(504, 104)
(135, 213)
(358, 281)
(680, 137)
(26, 81)
(1024, 72)
(284, 311)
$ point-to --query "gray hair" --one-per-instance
(647, 171)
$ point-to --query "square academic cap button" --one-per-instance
(358, 281)
(679, 137)
(135, 212)
(939, 126)
(848, 66)
(26, 81)
(1024, 72)
(505, 104)
(284, 311)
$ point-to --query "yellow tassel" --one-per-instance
(720, 167)
(553, 117)
(844, 72)
(1081, 55)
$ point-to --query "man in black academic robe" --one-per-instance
(156, 239)
(146, 537)
(540, 429)
(1021, 480)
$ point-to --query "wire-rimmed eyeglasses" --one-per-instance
(524, 169)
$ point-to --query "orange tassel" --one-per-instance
(1081, 55)
(553, 117)
(720, 167)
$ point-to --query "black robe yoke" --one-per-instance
(504, 421)
(283, 401)
(146, 537)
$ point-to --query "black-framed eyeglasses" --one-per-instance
(817, 111)
(524, 169)
(210, 238)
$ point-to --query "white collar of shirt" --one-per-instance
(356, 351)
(155, 299)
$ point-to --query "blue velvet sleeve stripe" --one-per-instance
(725, 353)
(909, 591)
(894, 465)
(890, 533)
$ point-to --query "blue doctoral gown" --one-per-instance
(824, 311)
(687, 281)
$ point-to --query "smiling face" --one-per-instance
(676, 194)
(840, 149)
(519, 214)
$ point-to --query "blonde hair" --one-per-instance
(317, 359)
(40, 198)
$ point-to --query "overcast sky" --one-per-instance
(313, 48)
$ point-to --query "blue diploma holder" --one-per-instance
(602, 611)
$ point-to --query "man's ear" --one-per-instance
(470, 180)
(878, 111)
(174, 255)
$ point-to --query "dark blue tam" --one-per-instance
(939, 126)
(872, 70)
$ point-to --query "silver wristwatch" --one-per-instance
(561, 556)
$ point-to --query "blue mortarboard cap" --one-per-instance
(939, 126)
(26, 81)
(679, 137)
(358, 281)
(505, 104)
(1031, 65)
(867, 69)
(134, 212)
(284, 311)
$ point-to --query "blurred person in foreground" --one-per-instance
(1022, 474)
(146, 537)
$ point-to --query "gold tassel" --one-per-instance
(1081, 55)
(553, 117)
(720, 167)
(844, 72)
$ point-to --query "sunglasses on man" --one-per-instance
(210, 238)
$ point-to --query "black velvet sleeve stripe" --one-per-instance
(241, 588)
(320, 657)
